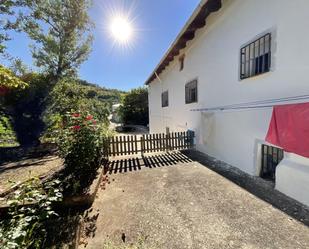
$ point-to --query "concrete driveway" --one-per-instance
(183, 204)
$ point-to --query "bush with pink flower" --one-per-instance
(81, 145)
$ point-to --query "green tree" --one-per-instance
(9, 80)
(19, 68)
(8, 20)
(69, 95)
(134, 109)
(61, 32)
(25, 107)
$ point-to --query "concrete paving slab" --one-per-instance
(187, 205)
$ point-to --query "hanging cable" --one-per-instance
(255, 104)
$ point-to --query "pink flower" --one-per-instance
(89, 117)
(94, 122)
(76, 128)
(75, 115)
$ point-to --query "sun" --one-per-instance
(119, 24)
(121, 29)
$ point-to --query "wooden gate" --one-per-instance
(148, 143)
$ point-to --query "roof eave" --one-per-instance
(195, 22)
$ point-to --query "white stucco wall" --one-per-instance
(213, 58)
(292, 177)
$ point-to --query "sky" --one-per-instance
(155, 25)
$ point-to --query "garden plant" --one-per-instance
(30, 207)
(80, 143)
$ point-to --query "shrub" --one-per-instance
(70, 95)
(67, 95)
(9, 80)
(81, 146)
(25, 226)
(7, 135)
(134, 109)
(25, 108)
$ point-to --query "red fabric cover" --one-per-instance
(289, 128)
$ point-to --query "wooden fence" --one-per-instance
(148, 143)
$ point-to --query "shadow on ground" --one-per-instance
(25, 164)
(62, 232)
(151, 161)
(15, 154)
(257, 186)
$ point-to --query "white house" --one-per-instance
(206, 83)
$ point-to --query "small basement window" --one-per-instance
(191, 92)
(255, 58)
(164, 99)
(271, 157)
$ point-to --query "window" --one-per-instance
(181, 62)
(255, 58)
(271, 157)
(164, 99)
(191, 92)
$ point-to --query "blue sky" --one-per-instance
(156, 24)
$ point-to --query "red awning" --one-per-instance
(289, 128)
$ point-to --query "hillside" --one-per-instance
(102, 93)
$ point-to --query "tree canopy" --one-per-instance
(38, 109)
(26, 106)
(35, 103)
(134, 109)
(7, 10)
(60, 30)
(9, 80)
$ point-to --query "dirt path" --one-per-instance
(21, 170)
(187, 206)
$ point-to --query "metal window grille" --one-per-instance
(271, 157)
(255, 58)
(191, 92)
(164, 99)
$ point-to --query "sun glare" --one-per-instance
(119, 23)
(121, 29)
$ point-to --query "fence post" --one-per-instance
(167, 141)
(105, 148)
(142, 145)
(191, 135)
(106, 144)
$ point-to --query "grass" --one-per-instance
(8, 145)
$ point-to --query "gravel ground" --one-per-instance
(172, 202)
